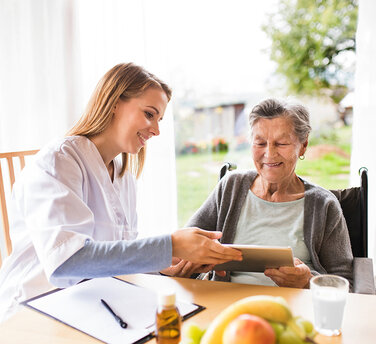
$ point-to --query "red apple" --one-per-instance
(249, 329)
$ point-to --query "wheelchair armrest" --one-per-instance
(364, 282)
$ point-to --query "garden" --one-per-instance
(327, 163)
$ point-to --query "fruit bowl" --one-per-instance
(260, 319)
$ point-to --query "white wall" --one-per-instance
(364, 125)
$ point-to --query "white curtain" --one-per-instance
(53, 52)
(364, 127)
(39, 76)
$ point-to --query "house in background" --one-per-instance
(224, 120)
(200, 124)
(346, 106)
(204, 128)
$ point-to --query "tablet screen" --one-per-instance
(258, 258)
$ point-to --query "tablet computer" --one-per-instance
(258, 258)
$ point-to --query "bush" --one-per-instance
(219, 145)
(189, 148)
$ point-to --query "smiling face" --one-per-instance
(136, 120)
(275, 149)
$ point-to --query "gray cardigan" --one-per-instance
(325, 229)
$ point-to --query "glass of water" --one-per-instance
(329, 294)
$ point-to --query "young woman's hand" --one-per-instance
(185, 268)
(288, 276)
(202, 247)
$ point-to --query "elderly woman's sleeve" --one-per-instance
(335, 254)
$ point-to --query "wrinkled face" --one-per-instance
(275, 149)
(136, 120)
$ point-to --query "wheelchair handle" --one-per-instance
(227, 166)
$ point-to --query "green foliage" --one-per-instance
(219, 145)
(310, 40)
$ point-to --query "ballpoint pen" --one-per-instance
(122, 323)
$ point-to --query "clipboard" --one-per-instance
(257, 258)
(80, 307)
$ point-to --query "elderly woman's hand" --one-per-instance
(185, 268)
(295, 277)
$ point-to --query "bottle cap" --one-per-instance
(167, 298)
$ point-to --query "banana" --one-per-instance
(265, 306)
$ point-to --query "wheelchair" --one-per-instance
(354, 204)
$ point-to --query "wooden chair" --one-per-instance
(10, 158)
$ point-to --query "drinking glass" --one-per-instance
(329, 294)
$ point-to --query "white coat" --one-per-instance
(62, 198)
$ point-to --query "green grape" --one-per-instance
(308, 327)
(295, 326)
(192, 333)
(306, 324)
(277, 327)
(289, 337)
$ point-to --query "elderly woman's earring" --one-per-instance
(302, 157)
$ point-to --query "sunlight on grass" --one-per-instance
(329, 164)
(196, 177)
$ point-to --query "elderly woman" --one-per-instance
(273, 206)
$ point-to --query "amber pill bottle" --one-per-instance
(168, 320)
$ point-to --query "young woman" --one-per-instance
(73, 210)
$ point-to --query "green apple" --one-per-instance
(277, 327)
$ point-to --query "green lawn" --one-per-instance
(196, 178)
(331, 170)
(197, 174)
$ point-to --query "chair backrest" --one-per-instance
(10, 158)
(354, 204)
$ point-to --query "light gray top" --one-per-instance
(324, 228)
(272, 224)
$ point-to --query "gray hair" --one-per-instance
(273, 108)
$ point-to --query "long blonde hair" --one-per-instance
(124, 81)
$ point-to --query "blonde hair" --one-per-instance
(124, 81)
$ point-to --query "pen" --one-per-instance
(122, 323)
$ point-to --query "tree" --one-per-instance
(313, 44)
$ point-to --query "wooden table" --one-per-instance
(359, 325)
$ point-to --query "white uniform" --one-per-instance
(62, 198)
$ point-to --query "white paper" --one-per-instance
(80, 307)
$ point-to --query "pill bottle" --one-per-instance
(168, 320)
